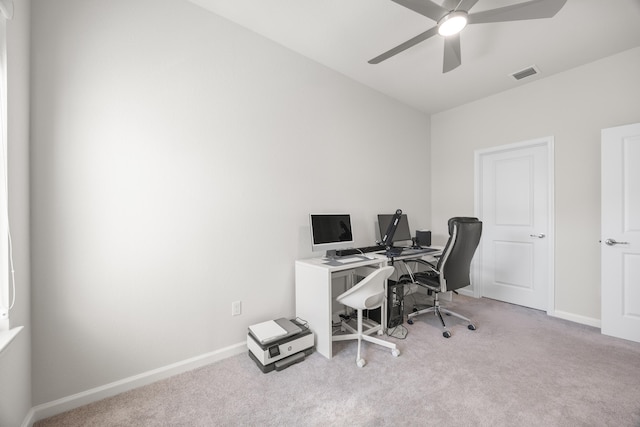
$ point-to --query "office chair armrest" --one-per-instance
(411, 274)
(409, 271)
(427, 264)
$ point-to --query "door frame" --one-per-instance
(548, 143)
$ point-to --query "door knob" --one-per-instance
(612, 242)
(539, 236)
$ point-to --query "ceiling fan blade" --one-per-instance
(465, 5)
(535, 9)
(452, 56)
(404, 46)
(424, 7)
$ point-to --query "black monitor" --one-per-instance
(330, 232)
(402, 233)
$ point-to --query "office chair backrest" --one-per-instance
(455, 219)
(455, 263)
(369, 292)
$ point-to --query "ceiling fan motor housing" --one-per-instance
(452, 23)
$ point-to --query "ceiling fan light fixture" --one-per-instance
(452, 23)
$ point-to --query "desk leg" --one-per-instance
(384, 307)
(313, 304)
(314, 301)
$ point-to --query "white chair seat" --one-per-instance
(368, 294)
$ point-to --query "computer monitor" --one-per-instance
(402, 231)
(330, 232)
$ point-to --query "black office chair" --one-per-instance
(452, 270)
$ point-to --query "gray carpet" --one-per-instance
(520, 368)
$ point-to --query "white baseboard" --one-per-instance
(589, 321)
(467, 292)
(584, 320)
(64, 404)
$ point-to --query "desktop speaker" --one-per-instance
(423, 238)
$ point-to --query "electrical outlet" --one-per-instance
(236, 308)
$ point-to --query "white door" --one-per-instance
(514, 201)
(620, 252)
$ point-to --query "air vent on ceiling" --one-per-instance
(530, 71)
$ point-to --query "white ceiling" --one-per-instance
(344, 34)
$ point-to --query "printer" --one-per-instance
(278, 344)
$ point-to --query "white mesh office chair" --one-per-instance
(368, 294)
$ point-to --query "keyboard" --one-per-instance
(358, 251)
(396, 251)
(372, 248)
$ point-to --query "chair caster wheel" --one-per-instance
(395, 352)
(415, 310)
(471, 327)
(446, 334)
(380, 332)
(410, 321)
(360, 363)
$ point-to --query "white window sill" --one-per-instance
(7, 336)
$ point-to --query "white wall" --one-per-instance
(175, 158)
(573, 107)
(15, 361)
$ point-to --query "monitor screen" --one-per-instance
(330, 231)
(402, 232)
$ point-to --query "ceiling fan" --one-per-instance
(454, 15)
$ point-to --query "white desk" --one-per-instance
(315, 296)
(315, 299)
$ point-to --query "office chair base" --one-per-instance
(364, 336)
(438, 310)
